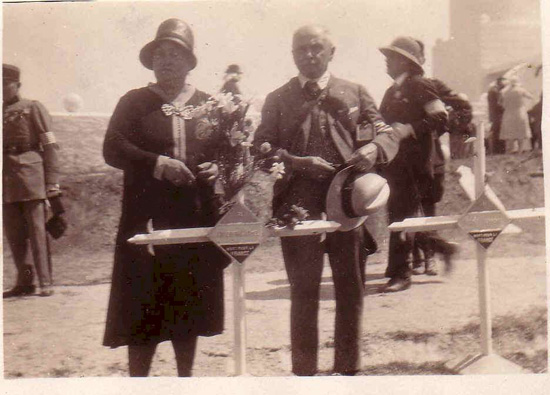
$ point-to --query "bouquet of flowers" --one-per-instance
(224, 119)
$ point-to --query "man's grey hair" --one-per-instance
(315, 29)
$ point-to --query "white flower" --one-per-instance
(277, 170)
(203, 130)
(236, 136)
(225, 102)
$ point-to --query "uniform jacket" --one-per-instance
(30, 153)
(353, 121)
(412, 170)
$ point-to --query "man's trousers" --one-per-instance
(303, 258)
(24, 223)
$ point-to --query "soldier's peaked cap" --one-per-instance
(10, 72)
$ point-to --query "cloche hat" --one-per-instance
(174, 30)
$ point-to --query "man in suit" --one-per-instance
(412, 100)
(315, 123)
(30, 176)
(232, 77)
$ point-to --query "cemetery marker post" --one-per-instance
(484, 221)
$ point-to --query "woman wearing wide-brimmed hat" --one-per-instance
(169, 179)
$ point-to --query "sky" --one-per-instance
(91, 48)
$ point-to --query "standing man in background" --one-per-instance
(30, 175)
(496, 111)
(232, 77)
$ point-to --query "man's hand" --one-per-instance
(312, 166)
(177, 173)
(208, 172)
(364, 158)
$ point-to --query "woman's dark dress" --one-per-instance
(179, 291)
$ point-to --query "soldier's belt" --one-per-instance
(20, 148)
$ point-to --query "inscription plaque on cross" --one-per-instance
(237, 233)
(484, 220)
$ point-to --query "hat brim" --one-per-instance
(334, 205)
(392, 49)
(146, 53)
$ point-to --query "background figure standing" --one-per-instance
(535, 121)
(515, 129)
(30, 175)
(414, 101)
(496, 145)
(459, 112)
(314, 123)
(177, 294)
(233, 75)
(461, 126)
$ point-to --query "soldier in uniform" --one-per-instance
(30, 176)
(414, 101)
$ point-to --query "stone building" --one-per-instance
(487, 38)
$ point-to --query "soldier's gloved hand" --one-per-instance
(364, 158)
(52, 190)
(177, 173)
(312, 166)
(208, 172)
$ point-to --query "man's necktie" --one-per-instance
(312, 90)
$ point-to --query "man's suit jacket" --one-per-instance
(353, 121)
(29, 164)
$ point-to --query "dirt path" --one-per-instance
(61, 336)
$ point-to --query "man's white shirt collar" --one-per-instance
(322, 81)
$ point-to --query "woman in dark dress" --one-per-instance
(169, 179)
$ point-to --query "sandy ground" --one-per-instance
(61, 336)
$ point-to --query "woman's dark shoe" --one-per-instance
(19, 290)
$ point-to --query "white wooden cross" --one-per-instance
(485, 219)
(238, 233)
